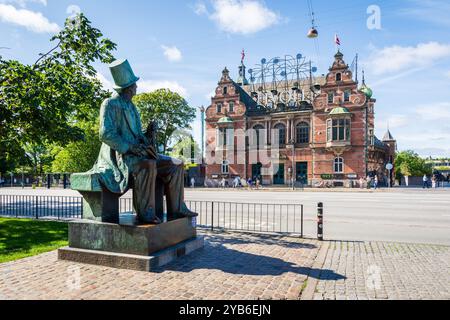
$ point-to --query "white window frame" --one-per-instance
(231, 107)
(349, 92)
(339, 164)
(225, 167)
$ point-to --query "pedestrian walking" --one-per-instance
(369, 182)
(237, 182)
(223, 183)
(193, 183)
(425, 182)
(375, 183)
(433, 182)
(361, 183)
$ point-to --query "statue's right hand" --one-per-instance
(138, 150)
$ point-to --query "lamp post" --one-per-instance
(203, 111)
(389, 168)
(292, 142)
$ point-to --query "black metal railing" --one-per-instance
(227, 216)
(41, 207)
(249, 217)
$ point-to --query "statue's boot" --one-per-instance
(186, 213)
(149, 218)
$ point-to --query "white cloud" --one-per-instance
(434, 112)
(73, 10)
(396, 58)
(152, 85)
(172, 54)
(210, 95)
(239, 16)
(147, 85)
(23, 3)
(433, 11)
(107, 85)
(33, 21)
(394, 121)
(200, 9)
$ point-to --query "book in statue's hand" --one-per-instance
(151, 133)
(151, 152)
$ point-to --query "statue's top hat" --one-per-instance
(122, 74)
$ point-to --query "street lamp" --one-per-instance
(203, 111)
(389, 168)
(292, 142)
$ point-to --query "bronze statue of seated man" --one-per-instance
(128, 158)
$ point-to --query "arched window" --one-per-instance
(331, 97)
(338, 77)
(280, 134)
(225, 167)
(259, 135)
(303, 133)
(225, 90)
(347, 94)
(223, 137)
(231, 107)
(339, 165)
(219, 108)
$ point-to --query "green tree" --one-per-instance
(409, 163)
(168, 110)
(39, 157)
(186, 149)
(78, 156)
(43, 102)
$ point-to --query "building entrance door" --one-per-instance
(302, 172)
(256, 171)
(278, 177)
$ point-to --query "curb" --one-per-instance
(312, 280)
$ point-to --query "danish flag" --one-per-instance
(337, 40)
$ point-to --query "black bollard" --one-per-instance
(320, 221)
(49, 182)
(65, 181)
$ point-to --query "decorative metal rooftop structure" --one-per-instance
(283, 83)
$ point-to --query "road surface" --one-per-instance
(412, 216)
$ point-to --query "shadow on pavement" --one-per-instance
(218, 256)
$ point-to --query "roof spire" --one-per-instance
(388, 136)
(364, 88)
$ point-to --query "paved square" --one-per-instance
(381, 270)
(231, 266)
(249, 267)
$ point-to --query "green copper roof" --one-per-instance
(367, 91)
(225, 120)
(340, 110)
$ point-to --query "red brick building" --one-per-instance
(331, 138)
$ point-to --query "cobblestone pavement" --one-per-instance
(249, 267)
(379, 270)
(231, 266)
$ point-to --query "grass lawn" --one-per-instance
(21, 238)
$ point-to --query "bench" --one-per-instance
(101, 205)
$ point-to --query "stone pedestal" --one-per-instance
(140, 248)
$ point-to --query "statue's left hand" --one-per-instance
(151, 151)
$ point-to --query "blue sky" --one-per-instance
(184, 45)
